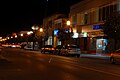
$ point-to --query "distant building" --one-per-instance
(87, 18)
(52, 24)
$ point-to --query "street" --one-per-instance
(19, 64)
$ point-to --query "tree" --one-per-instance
(64, 36)
(111, 27)
(41, 37)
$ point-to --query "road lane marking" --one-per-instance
(50, 59)
(118, 75)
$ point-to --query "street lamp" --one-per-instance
(41, 36)
(70, 29)
(15, 36)
(41, 29)
(34, 28)
(68, 24)
(21, 34)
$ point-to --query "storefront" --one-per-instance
(101, 46)
(92, 39)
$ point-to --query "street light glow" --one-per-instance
(30, 32)
(15, 36)
(41, 29)
(68, 23)
(8, 38)
(21, 34)
(35, 27)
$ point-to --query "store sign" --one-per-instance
(97, 27)
(56, 31)
(75, 35)
(84, 34)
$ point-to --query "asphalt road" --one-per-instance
(17, 64)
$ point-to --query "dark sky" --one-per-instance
(20, 15)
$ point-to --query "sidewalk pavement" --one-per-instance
(96, 56)
(88, 55)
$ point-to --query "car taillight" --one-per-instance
(13, 46)
(52, 48)
(42, 48)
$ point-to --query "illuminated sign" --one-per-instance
(85, 34)
(56, 31)
(97, 27)
(75, 35)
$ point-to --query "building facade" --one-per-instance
(87, 18)
(52, 24)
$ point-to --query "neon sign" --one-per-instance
(97, 27)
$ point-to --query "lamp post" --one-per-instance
(21, 34)
(68, 24)
(70, 29)
(34, 28)
(41, 32)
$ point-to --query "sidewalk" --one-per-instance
(96, 56)
(88, 55)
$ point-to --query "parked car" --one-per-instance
(15, 45)
(115, 56)
(70, 50)
(28, 47)
(23, 46)
(58, 49)
(47, 48)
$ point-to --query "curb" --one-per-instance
(95, 57)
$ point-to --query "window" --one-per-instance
(103, 13)
(106, 11)
(74, 19)
(50, 24)
(86, 18)
(111, 9)
(100, 14)
(115, 7)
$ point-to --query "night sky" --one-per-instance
(18, 15)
